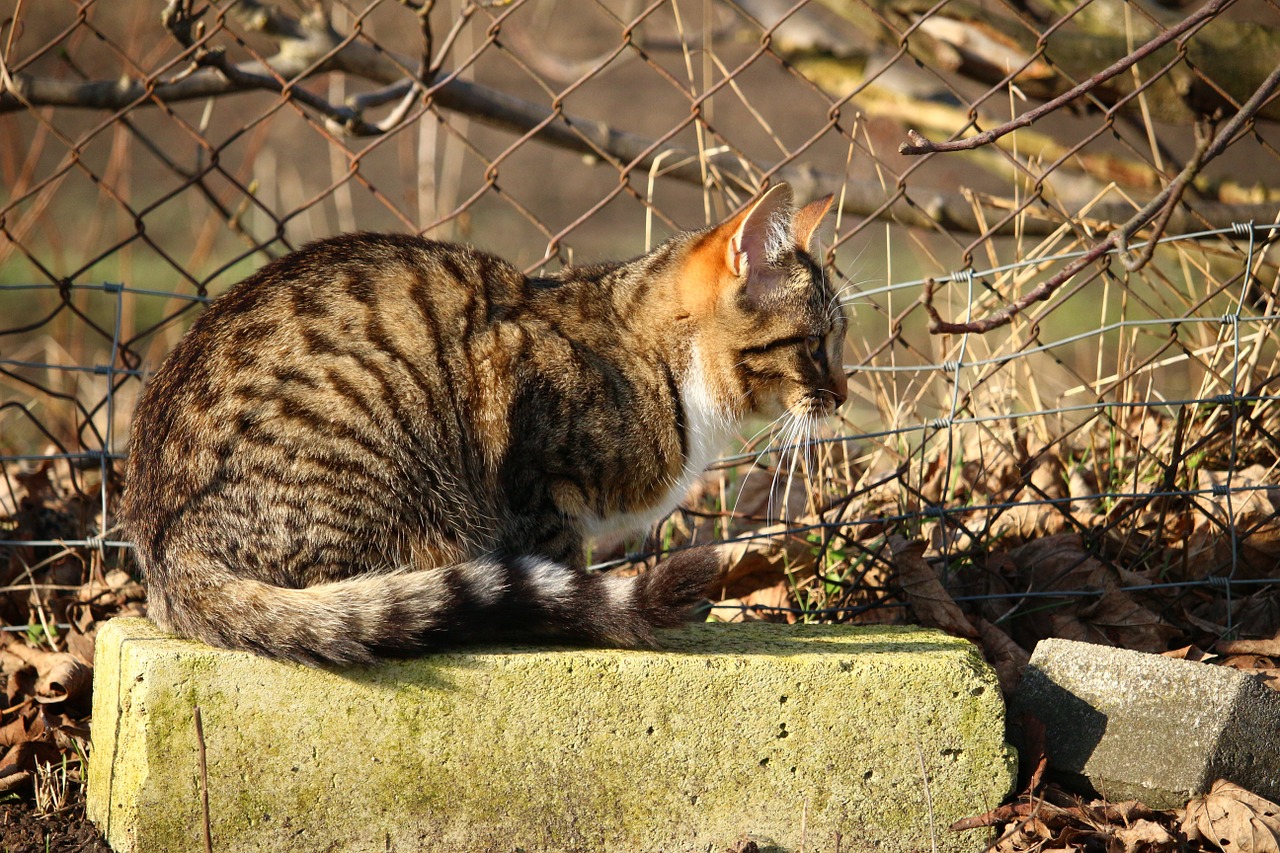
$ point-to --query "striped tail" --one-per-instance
(399, 614)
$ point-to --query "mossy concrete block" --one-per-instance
(1145, 727)
(878, 737)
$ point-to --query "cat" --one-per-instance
(380, 443)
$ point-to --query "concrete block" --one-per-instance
(872, 738)
(1146, 727)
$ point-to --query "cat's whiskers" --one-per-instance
(777, 465)
(805, 434)
(839, 300)
(789, 443)
(756, 461)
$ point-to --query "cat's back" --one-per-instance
(351, 277)
(328, 366)
(351, 297)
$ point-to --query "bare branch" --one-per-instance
(308, 47)
(992, 44)
(1117, 240)
(921, 145)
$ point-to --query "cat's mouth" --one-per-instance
(820, 404)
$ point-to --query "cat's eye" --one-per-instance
(817, 347)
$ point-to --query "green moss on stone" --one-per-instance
(731, 729)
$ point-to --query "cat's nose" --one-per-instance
(839, 387)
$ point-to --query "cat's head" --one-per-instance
(769, 324)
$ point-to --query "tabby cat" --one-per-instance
(380, 442)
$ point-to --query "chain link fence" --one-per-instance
(1055, 229)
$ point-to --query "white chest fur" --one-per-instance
(707, 432)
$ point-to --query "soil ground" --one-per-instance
(22, 829)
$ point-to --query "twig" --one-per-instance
(1172, 195)
(1117, 240)
(920, 145)
(204, 782)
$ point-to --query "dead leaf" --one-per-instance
(1119, 617)
(1266, 648)
(929, 600)
(761, 497)
(762, 560)
(1027, 521)
(1005, 656)
(81, 644)
(14, 780)
(1115, 617)
(1029, 834)
(1233, 819)
(773, 600)
(1192, 653)
(1143, 836)
(60, 677)
(733, 610)
(20, 761)
(1246, 662)
(1253, 507)
(16, 731)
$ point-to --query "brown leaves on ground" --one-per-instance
(1077, 596)
(1103, 535)
(55, 597)
(59, 677)
(1226, 819)
(929, 599)
(1253, 506)
(1233, 819)
(46, 696)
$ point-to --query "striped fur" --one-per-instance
(381, 443)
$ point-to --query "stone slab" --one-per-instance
(1151, 728)
(872, 738)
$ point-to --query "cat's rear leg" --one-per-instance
(615, 610)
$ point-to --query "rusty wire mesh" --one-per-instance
(1107, 431)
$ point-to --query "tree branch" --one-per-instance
(308, 46)
(1117, 240)
(921, 145)
(1042, 48)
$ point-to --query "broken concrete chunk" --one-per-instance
(1151, 728)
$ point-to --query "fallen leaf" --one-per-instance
(1192, 653)
(1233, 819)
(929, 600)
(1143, 836)
(1029, 834)
(1247, 662)
(1125, 812)
(1125, 623)
(1005, 656)
(1252, 510)
(773, 600)
(761, 497)
(60, 677)
(762, 560)
(20, 761)
(1265, 648)
(1115, 617)
(16, 730)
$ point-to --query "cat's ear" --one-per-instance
(807, 220)
(759, 233)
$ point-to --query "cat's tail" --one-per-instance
(403, 613)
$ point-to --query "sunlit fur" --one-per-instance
(379, 443)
